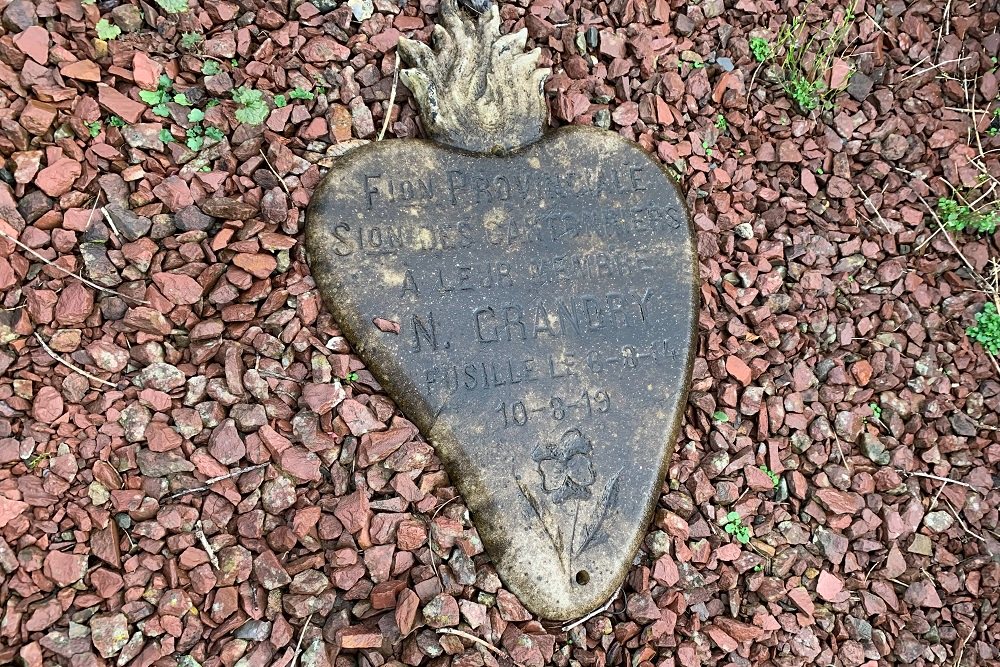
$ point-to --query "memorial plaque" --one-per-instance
(528, 300)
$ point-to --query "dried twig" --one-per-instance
(946, 480)
(843, 459)
(961, 522)
(269, 374)
(298, 646)
(275, 172)
(431, 531)
(874, 209)
(753, 78)
(392, 99)
(97, 202)
(110, 221)
(961, 647)
(472, 638)
(199, 532)
(67, 271)
(72, 367)
(927, 69)
(603, 608)
(975, 274)
(209, 482)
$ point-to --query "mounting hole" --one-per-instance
(583, 577)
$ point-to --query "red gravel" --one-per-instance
(342, 536)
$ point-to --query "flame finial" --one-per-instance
(478, 90)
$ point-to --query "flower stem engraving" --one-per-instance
(554, 533)
(592, 532)
(567, 473)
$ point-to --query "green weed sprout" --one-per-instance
(775, 479)
(809, 58)
(190, 40)
(252, 108)
(761, 49)
(107, 31)
(158, 98)
(986, 330)
(173, 6)
(959, 217)
(735, 527)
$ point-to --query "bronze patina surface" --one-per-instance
(544, 295)
(546, 301)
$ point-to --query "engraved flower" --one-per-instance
(566, 468)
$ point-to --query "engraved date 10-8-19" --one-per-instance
(519, 413)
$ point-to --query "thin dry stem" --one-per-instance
(843, 459)
(945, 24)
(946, 480)
(928, 69)
(600, 610)
(873, 208)
(975, 274)
(472, 638)
(962, 523)
(72, 367)
(961, 648)
(276, 175)
(298, 646)
(111, 222)
(392, 99)
(209, 482)
(199, 532)
(67, 271)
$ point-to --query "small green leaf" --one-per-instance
(196, 116)
(165, 81)
(115, 121)
(280, 101)
(246, 96)
(254, 114)
(195, 143)
(181, 99)
(720, 416)
(214, 133)
(733, 516)
(212, 103)
(173, 6)
(161, 110)
(165, 136)
(299, 93)
(205, 169)
(210, 68)
(189, 40)
(152, 96)
(760, 48)
(107, 31)
(730, 528)
(94, 128)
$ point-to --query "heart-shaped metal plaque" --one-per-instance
(545, 298)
